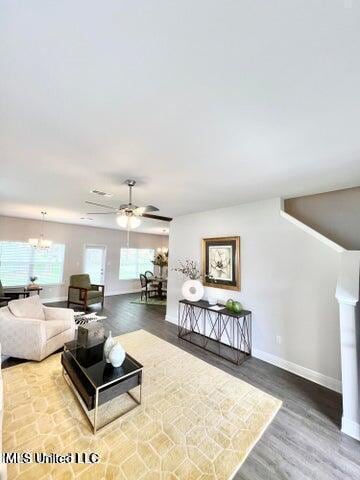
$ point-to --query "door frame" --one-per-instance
(95, 245)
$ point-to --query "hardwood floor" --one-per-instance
(303, 441)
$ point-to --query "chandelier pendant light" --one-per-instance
(41, 243)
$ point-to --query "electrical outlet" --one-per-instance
(278, 339)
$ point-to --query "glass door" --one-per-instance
(94, 263)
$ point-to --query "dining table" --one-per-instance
(158, 282)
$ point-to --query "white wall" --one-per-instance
(75, 237)
(288, 280)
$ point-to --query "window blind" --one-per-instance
(134, 261)
(19, 261)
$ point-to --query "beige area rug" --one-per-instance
(196, 421)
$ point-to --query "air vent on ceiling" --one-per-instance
(102, 194)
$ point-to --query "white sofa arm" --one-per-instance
(22, 338)
(57, 313)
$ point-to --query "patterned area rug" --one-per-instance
(82, 318)
(196, 421)
(151, 301)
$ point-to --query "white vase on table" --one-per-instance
(192, 290)
(117, 355)
(108, 345)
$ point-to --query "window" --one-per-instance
(19, 261)
(134, 261)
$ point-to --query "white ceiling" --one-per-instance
(206, 103)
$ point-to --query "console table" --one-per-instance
(219, 331)
(18, 292)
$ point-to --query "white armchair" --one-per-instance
(32, 331)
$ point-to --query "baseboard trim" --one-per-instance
(54, 299)
(122, 292)
(169, 318)
(312, 375)
(351, 428)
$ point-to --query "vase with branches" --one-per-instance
(192, 288)
(161, 259)
(189, 269)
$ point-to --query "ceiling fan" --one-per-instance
(127, 214)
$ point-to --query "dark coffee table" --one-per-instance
(95, 382)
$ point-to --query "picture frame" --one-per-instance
(221, 262)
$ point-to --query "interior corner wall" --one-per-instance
(288, 281)
(334, 214)
(75, 237)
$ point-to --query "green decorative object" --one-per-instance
(233, 306)
(237, 307)
(229, 304)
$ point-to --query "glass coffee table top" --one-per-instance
(92, 362)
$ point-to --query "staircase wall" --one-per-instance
(336, 215)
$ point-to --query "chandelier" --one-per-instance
(41, 243)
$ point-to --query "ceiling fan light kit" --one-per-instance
(128, 215)
(128, 222)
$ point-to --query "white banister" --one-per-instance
(347, 294)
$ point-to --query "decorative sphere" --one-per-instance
(236, 307)
(229, 304)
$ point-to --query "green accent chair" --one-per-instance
(3, 298)
(82, 292)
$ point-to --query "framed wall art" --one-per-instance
(221, 262)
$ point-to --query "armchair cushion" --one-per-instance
(80, 280)
(55, 327)
(94, 294)
(57, 313)
(30, 307)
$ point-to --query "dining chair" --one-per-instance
(146, 288)
(151, 279)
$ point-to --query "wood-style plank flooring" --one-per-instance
(303, 441)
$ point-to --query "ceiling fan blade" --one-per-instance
(100, 205)
(146, 209)
(101, 213)
(156, 217)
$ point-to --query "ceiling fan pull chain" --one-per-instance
(128, 237)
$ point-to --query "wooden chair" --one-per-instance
(146, 288)
(82, 292)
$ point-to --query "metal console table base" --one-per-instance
(221, 332)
